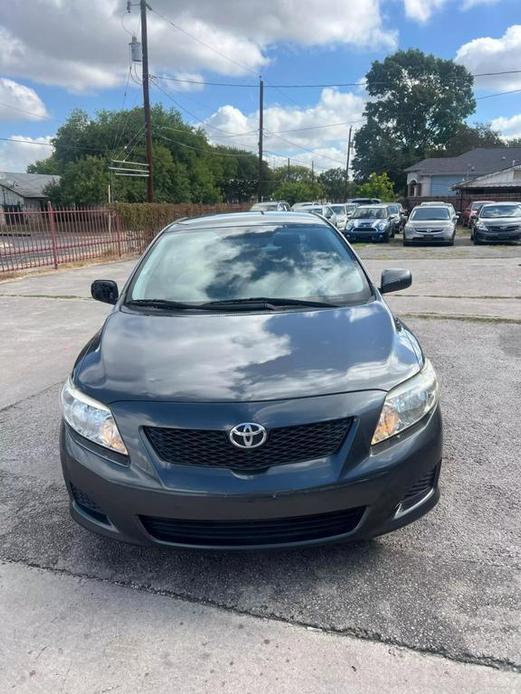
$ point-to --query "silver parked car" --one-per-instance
(430, 224)
(300, 206)
(500, 221)
(340, 211)
(271, 206)
(323, 210)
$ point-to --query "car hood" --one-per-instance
(246, 356)
(362, 222)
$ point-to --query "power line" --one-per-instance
(489, 96)
(38, 116)
(321, 85)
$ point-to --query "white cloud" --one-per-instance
(83, 45)
(16, 156)
(18, 102)
(488, 54)
(292, 131)
(508, 127)
(422, 10)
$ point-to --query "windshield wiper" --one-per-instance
(269, 303)
(160, 303)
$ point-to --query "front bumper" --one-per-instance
(497, 236)
(414, 236)
(356, 494)
(372, 234)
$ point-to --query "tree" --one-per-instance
(417, 103)
(186, 166)
(377, 186)
(298, 191)
(84, 182)
(333, 182)
(466, 138)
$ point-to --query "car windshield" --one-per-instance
(500, 211)
(338, 209)
(265, 206)
(425, 214)
(350, 208)
(292, 261)
(393, 208)
(370, 213)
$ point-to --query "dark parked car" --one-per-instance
(250, 388)
(499, 221)
(398, 215)
(371, 223)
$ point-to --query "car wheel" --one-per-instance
(406, 243)
(476, 240)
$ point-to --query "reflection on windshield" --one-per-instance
(290, 261)
(501, 211)
(425, 214)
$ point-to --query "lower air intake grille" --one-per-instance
(236, 533)
(87, 504)
(212, 448)
(420, 488)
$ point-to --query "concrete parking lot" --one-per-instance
(433, 608)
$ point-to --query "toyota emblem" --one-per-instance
(248, 435)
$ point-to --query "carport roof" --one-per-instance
(28, 185)
(481, 160)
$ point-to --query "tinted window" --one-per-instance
(429, 213)
(500, 211)
(289, 261)
(370, 213)
(338, 209)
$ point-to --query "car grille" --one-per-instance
(429, 231)
(503, 229)
(271, 531)
(212, 448)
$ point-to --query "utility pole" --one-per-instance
(312, 171)
(289, 168)
(261, 136)
(146, 100)
(348, 160)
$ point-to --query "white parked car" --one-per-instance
(299, 206)
(341, 215)
(323, 210)
(271, 206)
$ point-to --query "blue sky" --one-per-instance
(80, 59)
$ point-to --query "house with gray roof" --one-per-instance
(24, 191)
(437, 176)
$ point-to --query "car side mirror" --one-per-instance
(395, 279)
(105, 291)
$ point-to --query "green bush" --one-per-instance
(152, 217)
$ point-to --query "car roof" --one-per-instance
(375, 205)
(435, 203)
(232, 219)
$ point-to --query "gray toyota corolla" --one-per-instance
(250, 389)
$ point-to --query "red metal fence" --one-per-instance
(50, 237)
(53, 236)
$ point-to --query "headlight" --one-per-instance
(350, 225)
(480, 225)
(407, 404)
(409, 227)
(90, 418)
(382, 225)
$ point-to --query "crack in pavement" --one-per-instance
(363, 634)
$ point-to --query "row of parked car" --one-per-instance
(368, 219)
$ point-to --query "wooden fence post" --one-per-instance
(52, 226)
